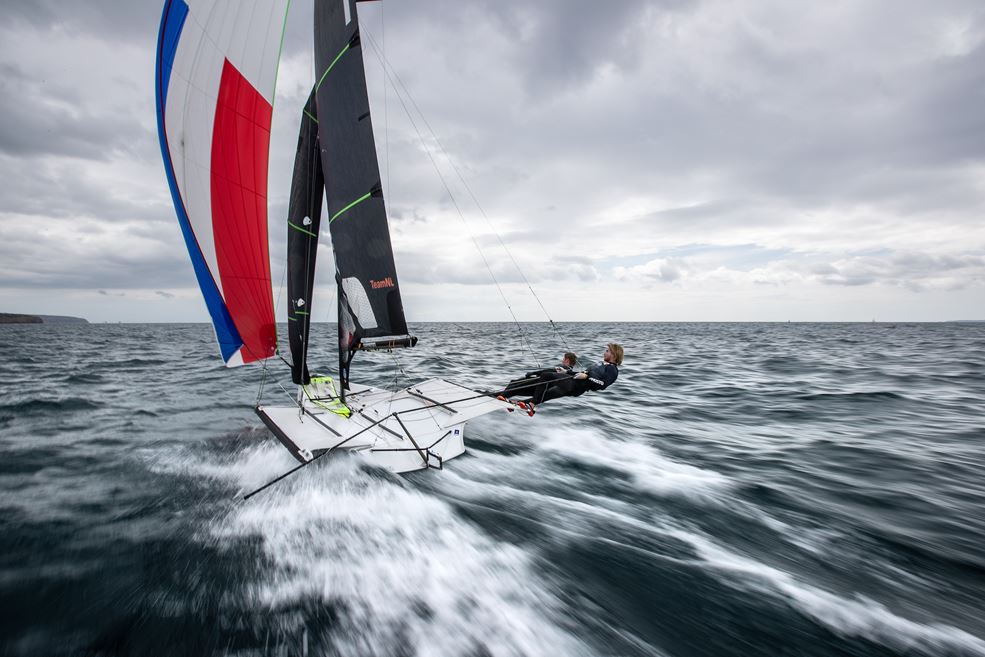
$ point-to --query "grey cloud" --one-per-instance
(36, 255)
(61, 189)
(668, 273)
(406, 214)
(580, 272)
(658, 270)
(554, 45)
(806, 128)
(823, 269)
(901, 143)
(121, 21)
(543, 235)
(711, 216)
(434, 268)
(37, 120)
(570, 41)
(74, 272)
(913, 270)
(575, 260)
(437, 268)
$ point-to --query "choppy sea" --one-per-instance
(743, 489)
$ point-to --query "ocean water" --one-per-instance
(743, 489)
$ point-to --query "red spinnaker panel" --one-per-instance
(240, 143)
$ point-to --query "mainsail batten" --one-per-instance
(216, 72)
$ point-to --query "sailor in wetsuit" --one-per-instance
(595, 378)
(539, 379)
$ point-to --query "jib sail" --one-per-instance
(303, 225)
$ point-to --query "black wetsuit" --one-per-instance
(600, 377)
(534, 384)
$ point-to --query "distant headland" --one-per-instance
(11, 318)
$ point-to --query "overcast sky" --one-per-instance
(663, 160)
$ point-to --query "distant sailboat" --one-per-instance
(216, 73)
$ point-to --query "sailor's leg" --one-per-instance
(553, 392)
(537, 394)
(549, 380)
(519, 387)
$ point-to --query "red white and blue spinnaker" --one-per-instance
(216, 73)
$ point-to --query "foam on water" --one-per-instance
(647, 468)
(400, 566)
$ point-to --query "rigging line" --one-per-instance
(286, 392)
(468, 188)
(263, 374)
(263, 379)
(458, 209)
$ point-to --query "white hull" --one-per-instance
(419, 427)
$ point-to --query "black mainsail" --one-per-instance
(369, 304)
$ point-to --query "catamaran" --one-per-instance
(217, 66)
